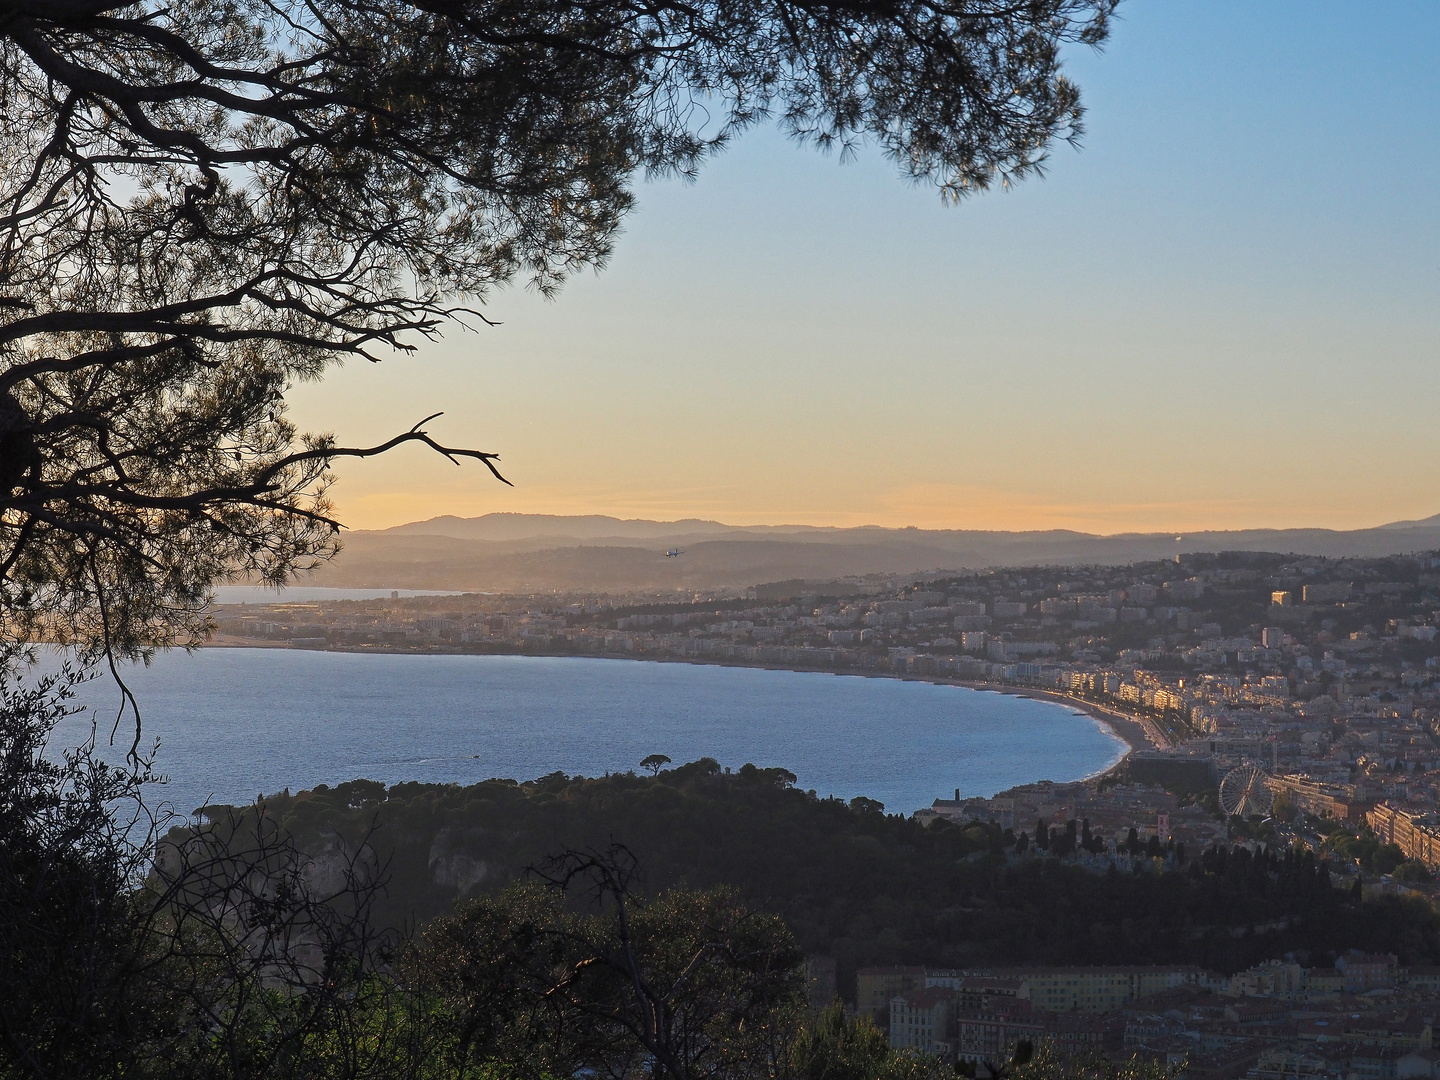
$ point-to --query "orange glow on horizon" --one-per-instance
(925, 506)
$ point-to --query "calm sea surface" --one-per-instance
(233, 723)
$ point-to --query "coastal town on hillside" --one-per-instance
(1266, 698)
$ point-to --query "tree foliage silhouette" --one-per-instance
(205, 202)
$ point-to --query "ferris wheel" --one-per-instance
(1246, 791)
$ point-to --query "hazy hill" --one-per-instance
(524, 552)
(532, 526)
(1430, 522)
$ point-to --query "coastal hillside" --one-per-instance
(539, 552)
(851, 881)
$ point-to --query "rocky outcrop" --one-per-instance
(453, 863)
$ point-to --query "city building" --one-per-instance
(1414, 830)
(921, 1020)
(875, 987)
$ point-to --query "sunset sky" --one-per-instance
(1223, 311)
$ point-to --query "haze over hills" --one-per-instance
(1430, 522)
(541, 552)
(534, 526)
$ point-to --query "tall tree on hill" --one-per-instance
(1062, 841)
(207, 201)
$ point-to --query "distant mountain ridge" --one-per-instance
(1424, 523)
(530, 526)
(510, 526)
(543, 552)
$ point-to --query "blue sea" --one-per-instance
(234, 723)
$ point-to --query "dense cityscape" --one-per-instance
(1321, 673)
(1274, 703)
(1362, 1017)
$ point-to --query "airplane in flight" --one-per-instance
(674, 553)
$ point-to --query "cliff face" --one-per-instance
(455, 863)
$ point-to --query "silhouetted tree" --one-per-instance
(1062, 841)
(204, 202)
(212, 953)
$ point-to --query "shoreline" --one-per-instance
(1137, 733)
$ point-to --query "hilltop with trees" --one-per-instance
(849, 880)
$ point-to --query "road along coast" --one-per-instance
(1140, 732)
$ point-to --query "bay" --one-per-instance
(234, 723)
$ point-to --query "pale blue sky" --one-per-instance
(1224, 310)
